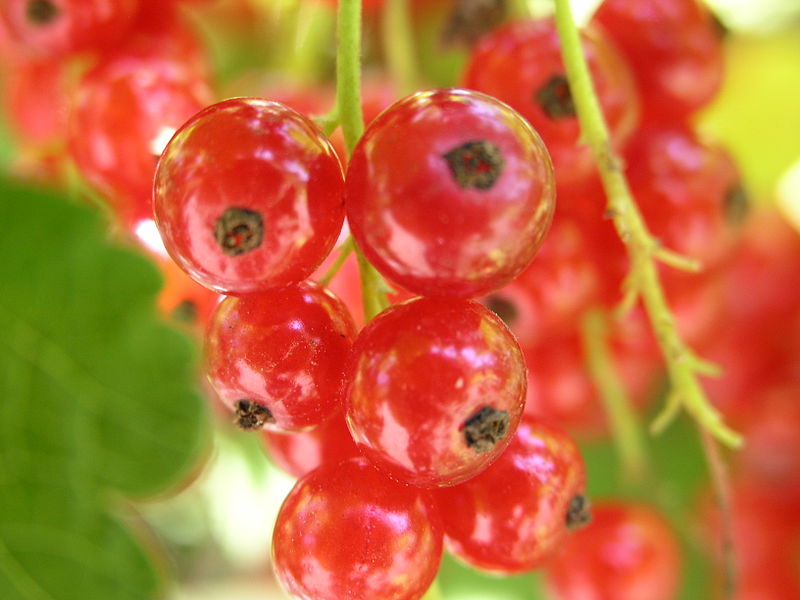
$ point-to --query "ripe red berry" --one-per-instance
(449, 192)
(124, 112)
(521, 65)
(57, 27)
(347, 531)
(438, 390)
(302, 452)
(627, 552)
(674, 49)
(248, 196)
(514, 515)
(278, 358)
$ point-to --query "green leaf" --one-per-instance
(99, 401)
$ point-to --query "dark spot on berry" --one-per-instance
(250, 416)
(41, 12)
(555, 98)
(578, 513)
(185, 312)
(502, 307)
(239, 230)
(470, 19)
(485, 428)
(475, 164)
(736, 204)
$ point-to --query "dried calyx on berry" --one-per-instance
(251, 416)
(485, 428)
(475, 164)
(578, 512)
(41, 12)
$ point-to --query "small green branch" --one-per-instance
(397, 34)
(348, 108)
(643, 250)
(345, 250)
(626, 432)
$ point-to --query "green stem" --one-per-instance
(344, 251)
(625, 428)
(642, 248)
(397, 33)
(348, 107)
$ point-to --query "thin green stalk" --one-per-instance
(397, 34)
(344, 251)
(627, 434)
(348, 107)
(643, 250)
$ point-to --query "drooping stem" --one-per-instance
(344, 251)
(348, 108)
(397, 34)
(644, 251)
(625, 427)
(720, 481)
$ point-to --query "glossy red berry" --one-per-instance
(347, 531)
(57, 27)
(124, 112)
(514, 515)
(520, 64)
(302, 452)
(674, 49)
(627, 552)
(449, 192)
(278, 358)
(248, 196)
(438, 390)
(36, 99)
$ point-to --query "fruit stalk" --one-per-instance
(643, 250)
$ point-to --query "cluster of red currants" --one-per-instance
(423, 428)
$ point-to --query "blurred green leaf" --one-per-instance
(99, 400)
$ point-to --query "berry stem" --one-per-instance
(348, 107)
(720, 480)
(344, 251)
(643, 249)
(627, 433)
(398, 46)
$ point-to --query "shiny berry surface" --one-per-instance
(438, 390)
(57, 27)
(520, 64)
(348, 531)
(278, 358)
(124, 112)
(449, 192)
(674, 49)
(515, 514)
(248, 196)
(302, 452)
(627, 552)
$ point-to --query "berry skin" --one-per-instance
(515, 514)
(674, 49)
(248, 196)
(301, 453)
(58, 27)
(124, 112)
(627, 552)
(347, 531)
(437, 392)
(449, 192)
(278, 358)
(521, 65)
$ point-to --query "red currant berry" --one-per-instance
(124, 112)
(248, 196)
(183, 300)
(437, 392)
(521, 65)
(347, 531)
(627, 552)
(449, 192)
(278, 358)
(301, 453)
(65, 26)
(36, 100)
(674, 49)
(515, 514)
